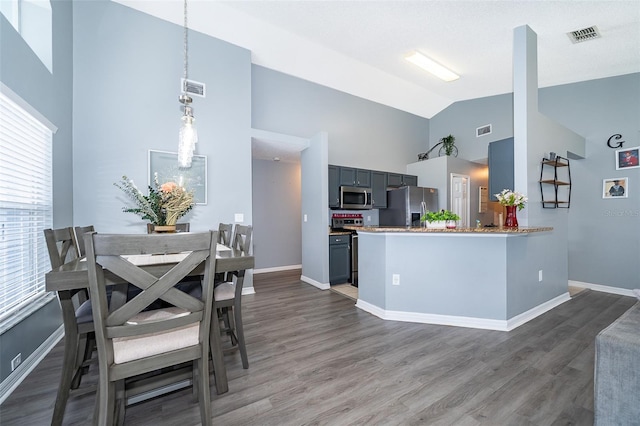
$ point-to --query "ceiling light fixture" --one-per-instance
(432, 66)
(188, 136)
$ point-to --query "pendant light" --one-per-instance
(188, 136)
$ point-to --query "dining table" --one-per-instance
(74, 275)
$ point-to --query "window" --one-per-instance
(32, 19)
(25, 203)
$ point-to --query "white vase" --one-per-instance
(437, 224)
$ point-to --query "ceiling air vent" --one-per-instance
(193, 87)
(585, 34)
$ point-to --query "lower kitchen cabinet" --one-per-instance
(339, 259)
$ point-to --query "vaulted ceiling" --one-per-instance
(359, 47)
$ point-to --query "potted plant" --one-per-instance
(164, 205)
(440, 219)
(448, 144)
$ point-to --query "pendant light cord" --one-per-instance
(186, 46)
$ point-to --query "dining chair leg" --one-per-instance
(237, 313)
(204, 394)
(68, 361)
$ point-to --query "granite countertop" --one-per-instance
(340, 232)
(422, 230)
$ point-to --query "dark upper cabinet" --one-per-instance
(334, 186)
(500, 166)
(379, 189)
(350, 176)
(396, 180)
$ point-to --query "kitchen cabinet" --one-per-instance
(379, 189)
(339, 259)
(334, 186)
(355, 177)
(555, 183)
(396, 180)
(500, 166)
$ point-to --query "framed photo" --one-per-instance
(165, 164)
(627, 158)
(615, 188)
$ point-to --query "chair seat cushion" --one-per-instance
(224, 291)
(84, 313)
(136, 347)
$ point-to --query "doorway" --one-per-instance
(460, 204)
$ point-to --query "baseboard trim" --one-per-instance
(248, 290)
(315, 283)
(603, 288)
(16, 377)
(459, 321)
(276, 269)
(532, 313)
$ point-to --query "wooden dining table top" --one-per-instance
(73, 275)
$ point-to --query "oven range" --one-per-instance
(338, 222)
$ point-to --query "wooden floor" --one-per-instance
(315, 359)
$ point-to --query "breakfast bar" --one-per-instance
(490, 278)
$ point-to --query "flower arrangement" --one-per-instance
(438, 216)
(164, 205)
(510, 198)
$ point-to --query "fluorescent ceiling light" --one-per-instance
(431, 66)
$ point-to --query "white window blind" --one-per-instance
(25, 204)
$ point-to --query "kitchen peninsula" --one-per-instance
(490, 278)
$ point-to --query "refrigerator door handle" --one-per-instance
(423, 208)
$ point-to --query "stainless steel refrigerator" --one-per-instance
(405, 205)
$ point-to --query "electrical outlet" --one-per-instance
(239, 217)
(305, 217)
(15, 362)
(396, 279)
(540, 275)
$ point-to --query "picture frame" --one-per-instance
(628, 158)
(165, 164)
(611, 188)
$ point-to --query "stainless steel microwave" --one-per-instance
(355, 198)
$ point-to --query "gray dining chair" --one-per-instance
(225, 232)
(228, 296)
(242, 238)
(132, 341)
(76, 318)
(79, 232)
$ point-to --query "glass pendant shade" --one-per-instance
(188, 139)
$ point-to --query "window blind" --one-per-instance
(25, 206)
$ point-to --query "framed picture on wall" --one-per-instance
(615, 188)
(165, 164)
(627, 158)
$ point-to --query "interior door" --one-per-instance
(460, 204)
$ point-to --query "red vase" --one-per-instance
(511, 221)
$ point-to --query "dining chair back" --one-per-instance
(242, 238)
(76, 318)
(79, 236)
(225, 232)
(132, 341)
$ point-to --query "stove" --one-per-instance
(338, 222)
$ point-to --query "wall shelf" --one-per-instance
(555, 183)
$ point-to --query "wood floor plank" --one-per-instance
(316, 359)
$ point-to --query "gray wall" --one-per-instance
(603, 243)
(361, 133)
(127, 72)
(277, 235)
(50, 94)
(604, 247)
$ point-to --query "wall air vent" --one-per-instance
(484, 130)
(584, 34)
(193, 87)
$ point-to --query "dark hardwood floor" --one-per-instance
(316, 359)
